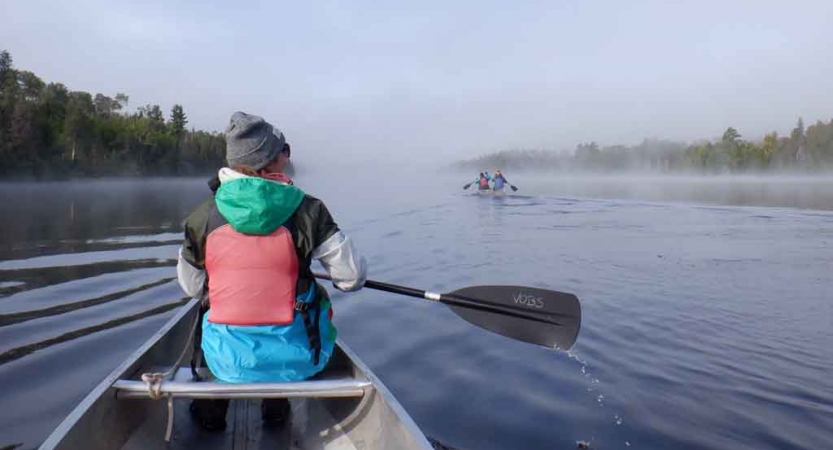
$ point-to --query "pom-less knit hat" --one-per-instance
(252, 141)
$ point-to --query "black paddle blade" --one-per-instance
(466, 186)
(538, 316)
(514, 189)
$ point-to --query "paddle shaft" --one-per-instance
(449, 299)
(510, 184)
(378, 285)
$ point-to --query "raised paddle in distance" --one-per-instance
(538, 316)
(514, 189)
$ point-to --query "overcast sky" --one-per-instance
(444, 79)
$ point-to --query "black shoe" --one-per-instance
(210, 414)
(275, 411)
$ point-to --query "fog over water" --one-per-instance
(796, 191)
(72, 209)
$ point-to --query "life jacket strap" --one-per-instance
(311, 325)
(196, 354)
(308, 306)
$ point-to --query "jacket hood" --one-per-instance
(254, 205)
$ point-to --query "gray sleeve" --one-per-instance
(342, 261)
(191, 279)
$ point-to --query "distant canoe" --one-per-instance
(347, 407)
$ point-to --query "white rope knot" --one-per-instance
(153, 381)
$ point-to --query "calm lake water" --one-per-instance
(707, 303)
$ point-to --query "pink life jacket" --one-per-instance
(253, 277)
(484, 182)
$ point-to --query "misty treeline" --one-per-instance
(46, 130)
(804, 150)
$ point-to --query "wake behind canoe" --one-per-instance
(491, 192)
(346, 407)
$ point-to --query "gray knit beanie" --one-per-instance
(252, 141)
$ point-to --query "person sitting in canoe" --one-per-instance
(498, 181)
(483, 181)
(251, 247)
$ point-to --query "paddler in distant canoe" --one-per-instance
(499, 181)
(482, 182)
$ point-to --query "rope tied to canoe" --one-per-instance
(154, 380)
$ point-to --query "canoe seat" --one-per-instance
(182, 386)
(332, 384)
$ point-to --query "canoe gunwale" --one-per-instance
(382, 390)
(129, 366)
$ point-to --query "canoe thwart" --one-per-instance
(182, 387)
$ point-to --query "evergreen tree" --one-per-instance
(178, 121)
(47, 127)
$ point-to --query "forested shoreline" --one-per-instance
(50, 131)
(807, 150)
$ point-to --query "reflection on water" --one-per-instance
(81, 264)
(45, 218)
(679, 300)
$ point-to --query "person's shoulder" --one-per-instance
(311, 201)
(314, 216)
(205, 205)
(200, 213)
(312, 206)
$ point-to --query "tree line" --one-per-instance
(804, 150)
(47, 130)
